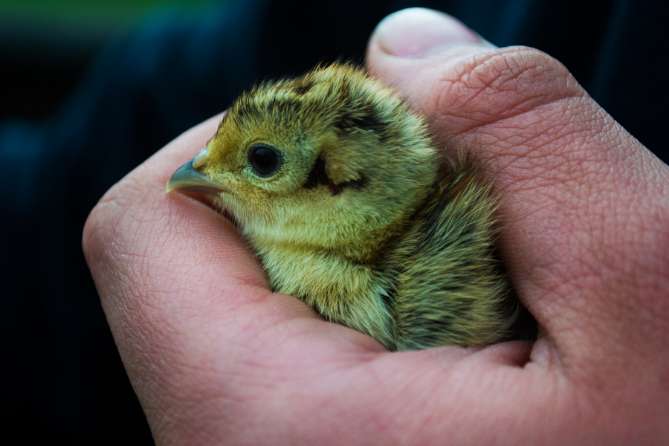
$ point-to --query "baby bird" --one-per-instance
(340, 190)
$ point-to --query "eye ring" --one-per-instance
(264, 160)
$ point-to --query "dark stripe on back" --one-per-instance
(365, 117)
(302, 86)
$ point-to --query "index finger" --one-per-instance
(178, 284)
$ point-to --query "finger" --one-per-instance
(584, 205)
(183, 294)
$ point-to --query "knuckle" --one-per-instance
(104, 229)
(523, 110)
(98, 231)
(498, 85)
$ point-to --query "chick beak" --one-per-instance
(187, 179)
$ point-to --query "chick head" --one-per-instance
(332, 161)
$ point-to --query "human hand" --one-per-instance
(215, 357)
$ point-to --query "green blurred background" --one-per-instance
(109, 13)
(61, 37)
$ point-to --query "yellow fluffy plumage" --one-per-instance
(338, 187)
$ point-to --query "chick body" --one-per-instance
(361, 218)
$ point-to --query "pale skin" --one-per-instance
(216, 358)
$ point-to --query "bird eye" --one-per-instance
(264, 160)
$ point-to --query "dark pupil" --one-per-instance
(264, 160)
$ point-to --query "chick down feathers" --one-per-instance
(344, 197)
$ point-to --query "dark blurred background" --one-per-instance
(90, 89)
(47, 45)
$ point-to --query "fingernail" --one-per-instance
(421, 33)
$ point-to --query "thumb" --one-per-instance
(456, 78)
(577, 192)
(412, 39)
